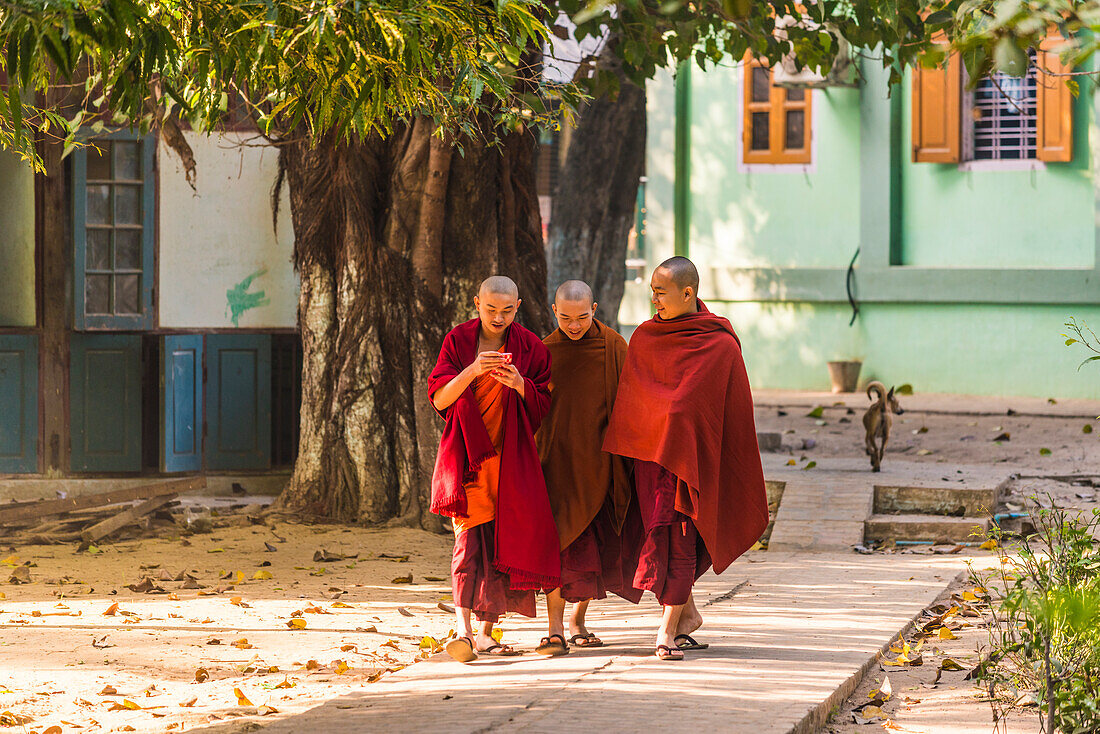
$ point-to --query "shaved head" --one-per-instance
(500, 285)
(683, 272)
(574, 291)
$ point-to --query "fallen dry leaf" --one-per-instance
(189, 702)
(108, 691)
(202, 675)
(403, 579)
(341, 605)
(446, 608)
(349, 648)
(9, 718)
(266, 710)
(126, 705)
(242, 700)
(111, 610)
(242, 644)
(21, 575)
(405, 612)
(262, 576)
(312, 665)
(296, 624)
(340, 667)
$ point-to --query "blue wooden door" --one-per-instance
(181, 403)
(238, 401)
(18, 404)
(105, 402)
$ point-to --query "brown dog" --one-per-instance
(877, 421)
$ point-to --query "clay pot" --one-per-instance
(844, 375)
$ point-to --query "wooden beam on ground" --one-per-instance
(102, 529)
(47, 508)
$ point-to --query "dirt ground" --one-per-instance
(938, 438)
(107, 658)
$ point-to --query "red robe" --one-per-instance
(526, 539)
(684, 403)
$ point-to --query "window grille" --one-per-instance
(1005, 117)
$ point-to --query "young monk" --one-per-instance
(589, 488)
(491, 385)
(684, 413)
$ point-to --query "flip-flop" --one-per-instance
(586, 640)
(461, 649)
(503, 651)
(552, 646)
(664, 652)
(687, 642)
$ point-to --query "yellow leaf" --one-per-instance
(7, 718)
(10, 561)
(242, 644)
(285, 684)
(428, 643)
(946, 634)
(296, 624)
(949, 664)
(969, 596)
(791, 462)
(312, 665)
(111, 610)
(349, 648)
(240, 576)
(201, 675)
(173, 597)
(498, 634)
(989, 545)
(341, 667)
(242, 700)
(262, 576)
(341, 605)
(126, 704)
(265, 710)
(3, 595)
(235, 601)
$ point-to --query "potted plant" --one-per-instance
(844, 374)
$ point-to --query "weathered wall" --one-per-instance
(16, 242)
(805, 219)
(218, 250)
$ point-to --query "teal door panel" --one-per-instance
(181, 403)
(18, 404)
(238, 401)
(105, 402)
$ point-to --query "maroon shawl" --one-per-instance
(526, 538)
(684, 403)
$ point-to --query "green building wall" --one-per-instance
(965, 276)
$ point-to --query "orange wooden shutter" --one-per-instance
(937, 97)
(1055, 106)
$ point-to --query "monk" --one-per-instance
(684, 413)
(589, 488)
(491, 385)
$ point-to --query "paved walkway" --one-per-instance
(790, 637)
(825, 509)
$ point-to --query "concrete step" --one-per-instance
(951, 501)
(937, 528)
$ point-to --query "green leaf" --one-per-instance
(1070, 341)
(1087, 428)
(905, 389)
(810, 465)
(816, 412)
(1009, 58)
(938, 17)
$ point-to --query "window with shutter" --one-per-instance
(1001, 118)
(776, 120)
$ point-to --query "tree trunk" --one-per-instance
(392, 237)
(597, 189)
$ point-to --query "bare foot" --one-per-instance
(690, 618)
(483, 641)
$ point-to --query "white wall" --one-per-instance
(213, 239)
(16, 242)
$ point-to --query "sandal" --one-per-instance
(462, 649)
(586, 640)
(664, 652)
(687, 642)
(553, 646)
(501, 650)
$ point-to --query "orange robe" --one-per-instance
(481, 493)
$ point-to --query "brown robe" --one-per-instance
(580, 476)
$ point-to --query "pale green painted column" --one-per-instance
(681, 188)
(879, 169)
